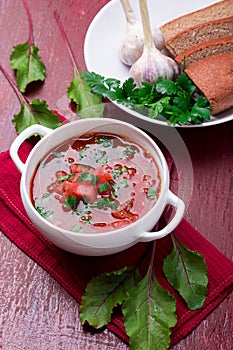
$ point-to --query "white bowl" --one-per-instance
(106, 242)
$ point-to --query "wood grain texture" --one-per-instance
(35, 311)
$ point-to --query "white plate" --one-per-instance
(104, 35)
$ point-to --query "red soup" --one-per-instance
(95, 183)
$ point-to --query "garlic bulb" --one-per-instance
(132, 44)
(152, 63)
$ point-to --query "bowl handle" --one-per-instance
(180, 208)
(31, 130)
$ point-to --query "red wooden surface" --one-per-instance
(35, 311)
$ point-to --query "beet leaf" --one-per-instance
(149, 313)
(105, 292)
(148, 309)
(36, 112)
(25, 59)
(186, 271)
(88, 105)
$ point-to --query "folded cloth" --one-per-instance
(74, 271)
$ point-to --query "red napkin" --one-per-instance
(73, 271)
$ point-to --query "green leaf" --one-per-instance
(200, 110)
(151, 194)
(36, 112)
(89, 105)
(182, 100)
(41, 208)
(173, 101)
(76, 229)
(70, 202)
(128, 88)
(166, 87)
(107, 203)
(105, 292)
(100, 86)
(124, 183)
(186, 271)
(129, 151)
(105, 141)
(26, 61)
(157, 108)
(117, 172)
(149, 313)
(93, 78)
(43, 212)
(103, 187)
(184, 83)
(66, 177)
(86, 176)
(146, 94)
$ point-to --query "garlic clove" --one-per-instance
(158, 39)
(152, 65)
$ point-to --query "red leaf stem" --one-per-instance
(14, 87)
(65, 38)
(70, 51)
(31, 39)
(22, 99)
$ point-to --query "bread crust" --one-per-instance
(204, 49)
(203, 32)
(213, 75)
(205, 38)
(218, 10)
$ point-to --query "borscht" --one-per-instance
(96, 182)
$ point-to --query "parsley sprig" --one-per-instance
(176, 101)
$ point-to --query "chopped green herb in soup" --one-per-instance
(101, 182)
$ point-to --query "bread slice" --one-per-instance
(204, 49)
(221, 9)
(202, 32)
(213, 75)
